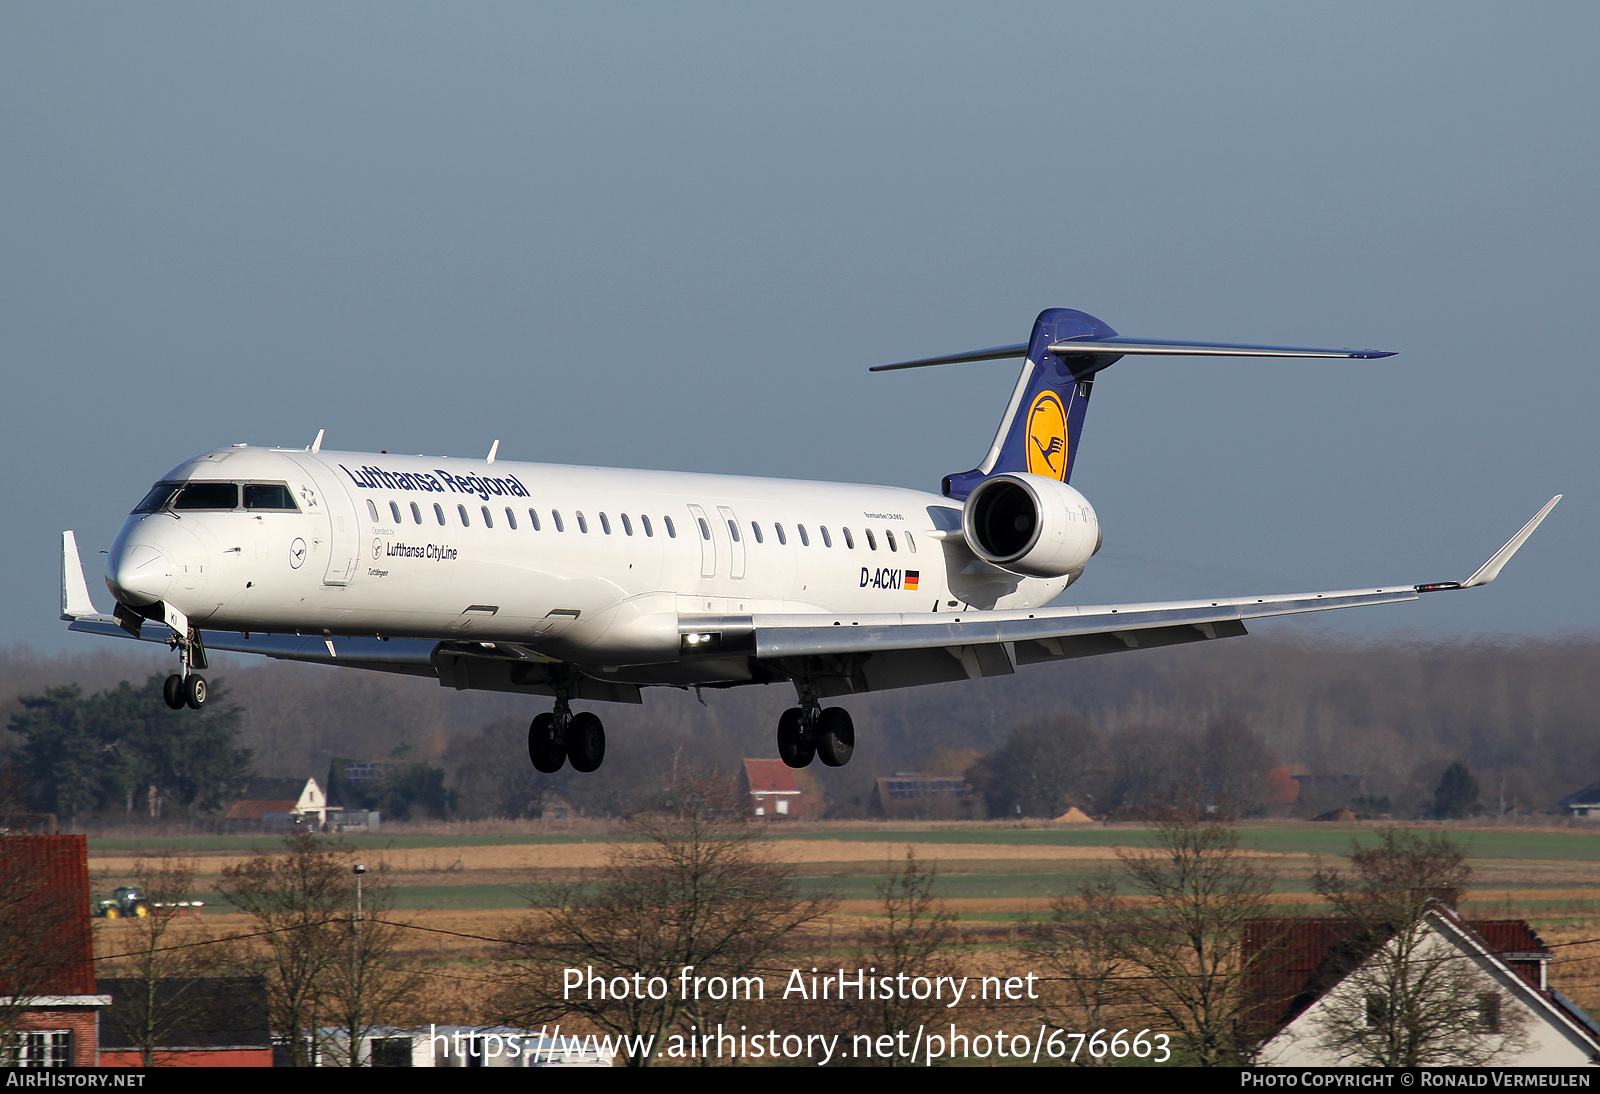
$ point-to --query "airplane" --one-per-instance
(588, 584)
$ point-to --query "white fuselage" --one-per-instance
(583, 564)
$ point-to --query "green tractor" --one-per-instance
(121, 904)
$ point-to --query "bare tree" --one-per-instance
(157, 960)
(698, 896)
(1078, 948)
(300, 901)
(370, 984)
(913, 938)
(1181, 940)
(1411, 998)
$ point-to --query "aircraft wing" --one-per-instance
(873, 652)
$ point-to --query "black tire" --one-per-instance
(836, 736)
(195, 691)
(796, 747)
(545, 747)
(172, 692)
(586, 742)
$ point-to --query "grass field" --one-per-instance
(460, 885)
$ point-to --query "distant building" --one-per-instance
(199, 1021)
(1583, 805)
(917, 795)
(1303, 971)
(282, 803)
(774, 791)
(463, 1046)
(47, 952)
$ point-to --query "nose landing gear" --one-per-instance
(806, 732)
(186, 687)
(560, 736)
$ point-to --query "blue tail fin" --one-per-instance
(1044, 421)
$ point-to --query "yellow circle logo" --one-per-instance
(1047, 437)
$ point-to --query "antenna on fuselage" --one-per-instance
(316, 445)
(493, 448)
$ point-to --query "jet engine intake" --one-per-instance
(1031, 525)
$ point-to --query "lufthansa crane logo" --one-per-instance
(1047, 437)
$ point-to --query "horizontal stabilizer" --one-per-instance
(1149, 347)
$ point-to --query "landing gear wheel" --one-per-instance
(796, 746)
(836, 736)
(172, 691)
(545, 747)
(586, 742)
(194, 692)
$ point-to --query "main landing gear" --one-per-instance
(562, 736)
(184, 691)
(808, 731)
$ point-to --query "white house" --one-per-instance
(1522, 1019)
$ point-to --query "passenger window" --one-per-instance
(260, 495)
(911, 544)
(416, 514)
(488, 521)
(888, 537)
(208, 495)
(556, 515)
(872, 541)
(583, 525)
(644, 519)
(849, 540)
(438, 512)
(756, 528)
(465, 523)
(511, 518)
(533, 519)
(627, 525)
(733, 530)
(605, 524)
(827, 540)
(705, 532)
(394, 511)
(372, 511)
(672, 533)
(157, 498)
(778, 528)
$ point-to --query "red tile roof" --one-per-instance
(255, 810)
(770, 777)
(1292, 962)
(44, 916)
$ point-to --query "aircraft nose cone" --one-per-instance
(140, 575)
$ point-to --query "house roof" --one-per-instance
(45, 916)
(770, 777)
(1589, 795)
(211, 1012)
(255, 810)
(1294, 962)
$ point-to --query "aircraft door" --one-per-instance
(708, 545)
(324, 494)
(735, 538)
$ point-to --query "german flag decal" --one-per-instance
(911, 579)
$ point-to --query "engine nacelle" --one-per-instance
(1032, 525)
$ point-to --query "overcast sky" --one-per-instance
(674, 235)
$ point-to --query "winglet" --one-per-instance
(1491, 569)
(75, 602)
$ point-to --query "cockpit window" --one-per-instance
(208, 495)
(258, 495)
(157, 498)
